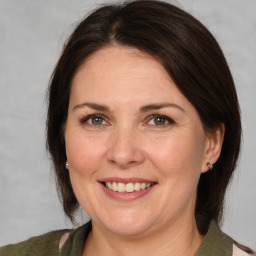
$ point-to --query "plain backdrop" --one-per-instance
(32, 33)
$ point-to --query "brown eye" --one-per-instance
(159, 120)
(96, 120)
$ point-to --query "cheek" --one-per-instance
(178, 155)
(178, 162)
(83, 153)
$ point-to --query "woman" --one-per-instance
(144, 132)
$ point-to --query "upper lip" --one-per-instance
(126, 180)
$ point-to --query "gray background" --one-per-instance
(31, 37)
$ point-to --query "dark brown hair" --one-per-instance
(193, 59)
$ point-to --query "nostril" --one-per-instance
(125, 155)
(111, 161)
(123, 164)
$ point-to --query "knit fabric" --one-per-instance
(44, 245)
(215, 243)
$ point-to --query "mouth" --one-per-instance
(126, 189)
(129, 187)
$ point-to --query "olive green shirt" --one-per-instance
(215, 243)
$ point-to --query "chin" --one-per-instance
(131, 230)
(128, 225)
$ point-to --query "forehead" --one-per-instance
(121, 67)
(125, 77)
(117, 60)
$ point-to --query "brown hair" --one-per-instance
(193, 59)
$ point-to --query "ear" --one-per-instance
(213, 147)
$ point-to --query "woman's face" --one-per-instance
(135, 145)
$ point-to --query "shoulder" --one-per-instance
(241, 250)
(47, 244)
(218, 243)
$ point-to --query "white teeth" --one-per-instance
(129, 187)
(109, 185)
(120, 187)
(114, 186)
(143, 185)
(137, 186)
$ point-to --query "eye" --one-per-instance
(94, 120)
(160, 120)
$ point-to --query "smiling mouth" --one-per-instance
(127, 187)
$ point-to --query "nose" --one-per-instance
(124, 149)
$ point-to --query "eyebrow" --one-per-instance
(146, 108)
(92, 106)
(159, 106)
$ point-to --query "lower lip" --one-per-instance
(126, 196)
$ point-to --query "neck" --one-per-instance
(179, 239)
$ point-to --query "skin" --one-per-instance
(128, 142)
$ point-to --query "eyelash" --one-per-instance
(167, 119)
(85, 119)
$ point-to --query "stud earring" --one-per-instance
(67, 165)
(210, 165)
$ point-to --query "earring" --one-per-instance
(210, 165)
(67, 165)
